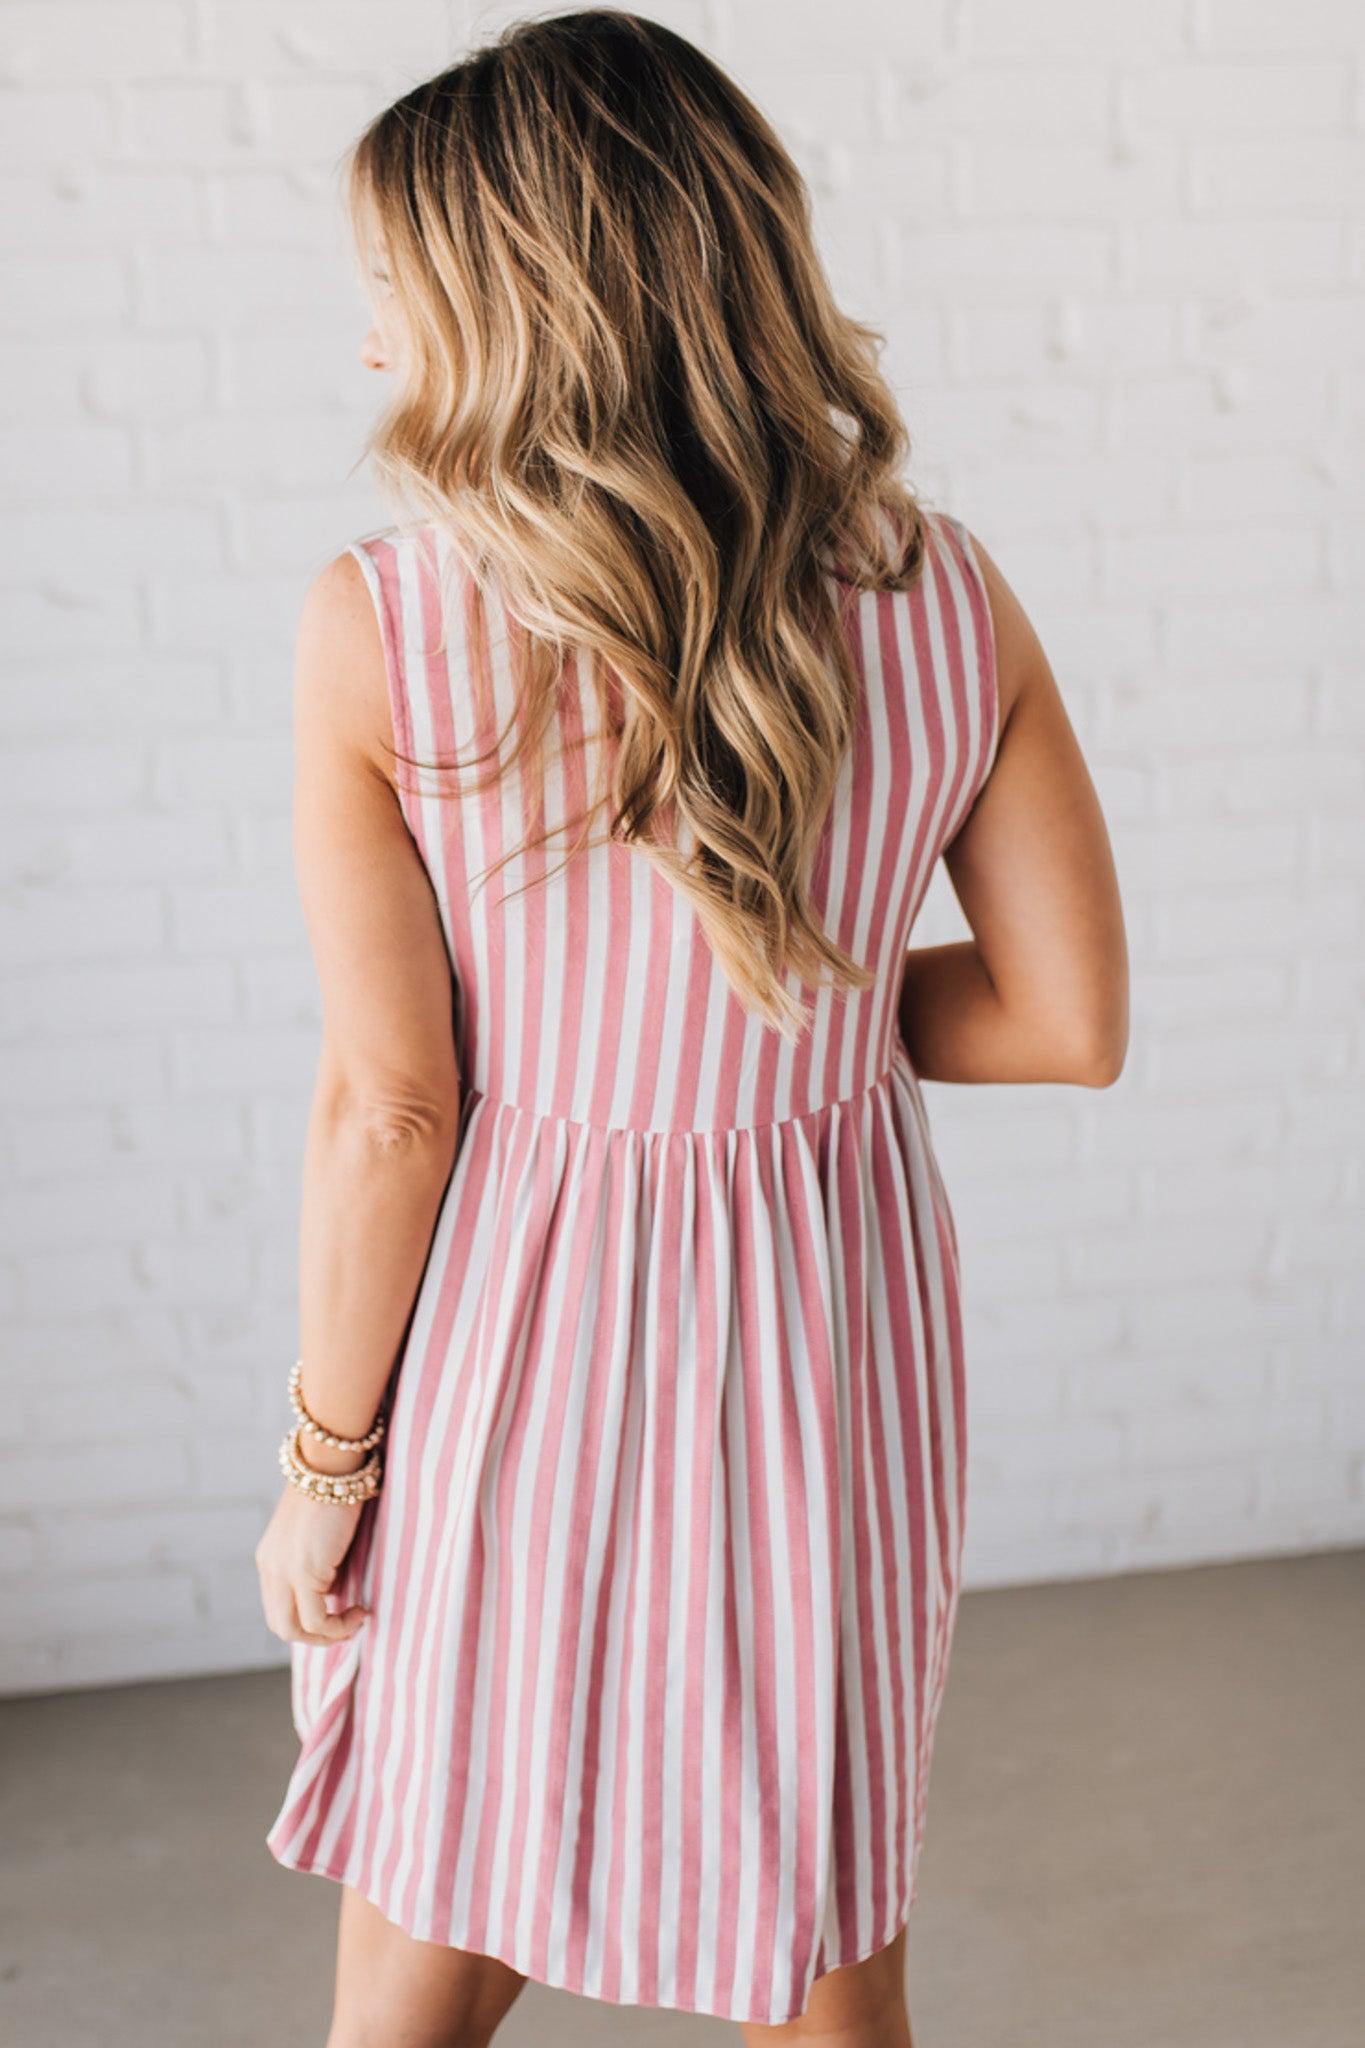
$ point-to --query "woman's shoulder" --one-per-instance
(394, 540)
(416, 559)
(344, 660)
(1016, 651)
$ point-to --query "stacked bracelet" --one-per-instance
(346, 1488)
(315, 1428)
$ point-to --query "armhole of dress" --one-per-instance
(983, 641)
(390, 633)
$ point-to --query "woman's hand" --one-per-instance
(298, 1557)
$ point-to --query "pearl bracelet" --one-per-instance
(315, 1428)
(345, 1488)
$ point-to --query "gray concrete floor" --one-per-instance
(1146, 1829)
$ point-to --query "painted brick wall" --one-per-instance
(1118, 254)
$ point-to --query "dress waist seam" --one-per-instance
(501, 1102)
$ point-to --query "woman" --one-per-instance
(629, 1285)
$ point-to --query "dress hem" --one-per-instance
(342, 1875)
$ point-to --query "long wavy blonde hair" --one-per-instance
(626, 390)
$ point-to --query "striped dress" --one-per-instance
(665, 1566)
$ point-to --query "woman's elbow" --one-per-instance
(1104, 1052)
(407, 1130)
(1100, 1026)
(393, 1124)
(1104, 1065)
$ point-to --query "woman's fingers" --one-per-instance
(298, 1614)
(277, 1604)
(317, 1625)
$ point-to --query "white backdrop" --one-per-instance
(1118, 253)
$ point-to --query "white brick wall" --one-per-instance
(1118, 253)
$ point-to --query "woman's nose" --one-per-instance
(372, 351)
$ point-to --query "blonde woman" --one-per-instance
(619, 1547)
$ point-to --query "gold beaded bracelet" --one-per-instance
(315, 1428)
(347, 1489)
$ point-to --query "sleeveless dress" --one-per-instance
(664, 1570)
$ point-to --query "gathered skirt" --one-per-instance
(664, 1569)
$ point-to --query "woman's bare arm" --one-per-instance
(1040, 991)
(382, 1131)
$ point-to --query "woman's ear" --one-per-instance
(372, 351)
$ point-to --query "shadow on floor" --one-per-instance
(1144, 1831)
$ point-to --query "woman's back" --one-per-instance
(592, 995)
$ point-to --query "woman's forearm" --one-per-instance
(369, 1205)
(957, 1028)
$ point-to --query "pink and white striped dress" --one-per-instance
(664, 1570)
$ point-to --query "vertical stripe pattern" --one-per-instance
(665, 1566)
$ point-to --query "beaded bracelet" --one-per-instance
(315, 1428)
(345, 1488)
